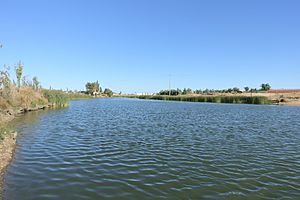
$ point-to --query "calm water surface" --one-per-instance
(139, 149)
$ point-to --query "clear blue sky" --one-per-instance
(133, 45)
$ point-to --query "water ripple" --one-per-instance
(137, 149)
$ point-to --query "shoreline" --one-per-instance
(7, 148)
(282, 99)
(8, 142)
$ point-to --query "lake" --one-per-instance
(118, 148)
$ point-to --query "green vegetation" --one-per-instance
(59, 98)
(76, 96)
(170, 92)
(93, 88)
(231, 95)
(265, 87)
(28, 95)
(19, 72)
(234, 90)
(108, 92)
(35, 83)
(15, 98)
(211, 99)
(56, 98)
(4, 130)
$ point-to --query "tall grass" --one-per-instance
(210, 99)
(13, 98)
(77, 96)
(59, 98)
(56, 98)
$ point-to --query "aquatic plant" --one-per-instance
(56, 98)
(210, 99)
(59, 98)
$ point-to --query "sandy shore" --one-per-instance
(7, 147)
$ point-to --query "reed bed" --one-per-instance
(59, 98)
(56, 98)
(210, 99)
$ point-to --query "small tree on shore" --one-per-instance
(93, 87)
(265, 87)
(246, 89)
(36, 83)
(178, 91)
(19, 72)
(189, 91)
(236, 90)
(252, 90)
(4, 78)
(108, 92)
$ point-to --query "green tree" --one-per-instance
(198, 91)
(253, 90)
(97, 86)
(246, 89)
(108, 92)
(189, 91)
(179, 92)
(36, 83)
(93, 87)
(19, 72)
(4, 78)
(236, 90)
(265, 87)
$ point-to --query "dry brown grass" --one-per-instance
(13, 99)
(4, 104)
(29, 97)
(284, 91)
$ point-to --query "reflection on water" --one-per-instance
(28, 118)
(137, 149)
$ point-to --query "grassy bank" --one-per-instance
(56, 98)
(14, 100)
(209, 99)
(4, 130)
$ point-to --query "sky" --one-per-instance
(139, 45)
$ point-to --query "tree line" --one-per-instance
(187, 91)
(94, 89)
